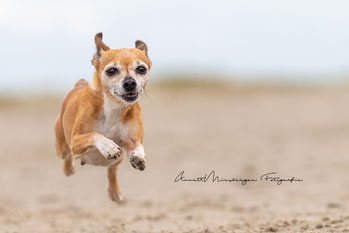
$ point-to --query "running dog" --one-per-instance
(100, 121)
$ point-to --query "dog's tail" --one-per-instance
(81, 83)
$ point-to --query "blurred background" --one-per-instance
(239, 87)
(49, 45)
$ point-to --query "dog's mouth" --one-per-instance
(130, 97)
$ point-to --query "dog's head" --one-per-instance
(123, 73)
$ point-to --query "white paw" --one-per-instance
(116, 196)
(137, 158)
(108, 148)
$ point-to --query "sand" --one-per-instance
(238, 132)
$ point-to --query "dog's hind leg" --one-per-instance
(68, 166)
(114, 189)
(63, 150)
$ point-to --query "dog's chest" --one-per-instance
(110, 124)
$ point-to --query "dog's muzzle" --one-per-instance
(129, 86)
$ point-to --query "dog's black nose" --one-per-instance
(129, 84)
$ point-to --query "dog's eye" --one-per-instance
(111, 71)
(141, 70)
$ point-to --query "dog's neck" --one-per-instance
(114, 110)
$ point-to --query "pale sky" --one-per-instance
(51, 42)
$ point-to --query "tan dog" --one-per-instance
(101, 119)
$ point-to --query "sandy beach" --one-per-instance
(237, 131)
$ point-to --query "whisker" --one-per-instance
(146, 93)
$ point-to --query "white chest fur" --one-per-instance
(110, 123)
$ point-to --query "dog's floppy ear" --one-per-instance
(142, 46)
(101, 47)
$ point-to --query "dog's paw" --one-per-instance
(137, 162)
(137, 158)
(109, 149)
(115, 196)
(68, 167)
(69, 171)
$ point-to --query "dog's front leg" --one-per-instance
(136, 155)
(80, 144)
(137, 158)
